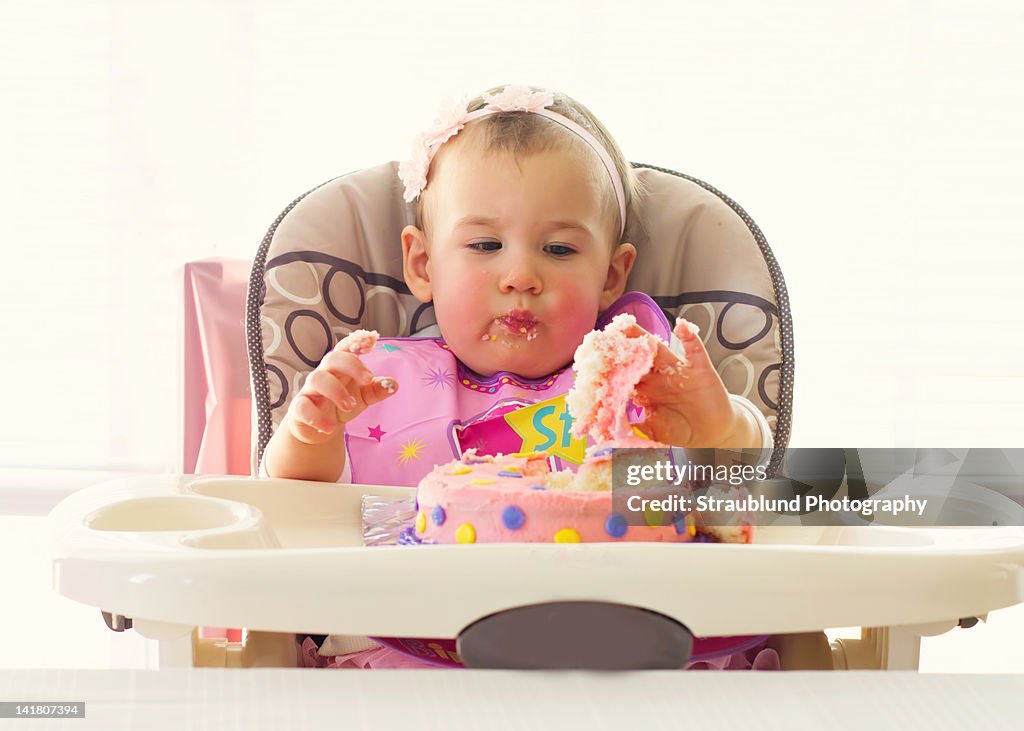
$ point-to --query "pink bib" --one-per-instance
(442, 408)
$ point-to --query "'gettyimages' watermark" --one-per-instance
(895, 487)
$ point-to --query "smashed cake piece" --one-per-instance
(609, 363)
(359, 342)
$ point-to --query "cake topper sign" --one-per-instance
(547, 427)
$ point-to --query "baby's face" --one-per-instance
(520, 258)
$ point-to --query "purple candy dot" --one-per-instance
(537, 487)
(438, 515)
(508, 473)
(615, 525)
(512, 517)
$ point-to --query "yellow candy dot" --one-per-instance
(567, 535)
(462, 470)
(466, 534)
(421, 522)
(513, 469)
(483, 481)
(691, 525)
(654, 516)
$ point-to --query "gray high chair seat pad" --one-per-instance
(332, 263)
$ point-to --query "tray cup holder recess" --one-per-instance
(576, 635)
(167, 513)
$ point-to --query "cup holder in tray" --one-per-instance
(177, 513)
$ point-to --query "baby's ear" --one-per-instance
(618, 272)
(414, 263)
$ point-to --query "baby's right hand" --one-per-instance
(337, 391)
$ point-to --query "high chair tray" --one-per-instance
(287, 556)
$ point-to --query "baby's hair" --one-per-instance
(522, 133)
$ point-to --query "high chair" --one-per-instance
(166, 555)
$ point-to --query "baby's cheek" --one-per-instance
(578, 311)
(462, 300)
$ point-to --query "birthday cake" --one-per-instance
(519, 498)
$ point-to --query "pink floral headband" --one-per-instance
(453, 117)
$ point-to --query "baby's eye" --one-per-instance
(559, 249)
(485, 245)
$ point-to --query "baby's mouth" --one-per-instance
(514, 327)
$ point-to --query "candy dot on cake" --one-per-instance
(654, 516)
(465, 534)
(512, 517)
(567, 535)
(421, 522)
(615, 525)
(438, 515)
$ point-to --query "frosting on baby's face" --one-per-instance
(517, 258)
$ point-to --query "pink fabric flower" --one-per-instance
(519, 98)
(450, 120)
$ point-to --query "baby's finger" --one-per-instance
(689, 336)
(379, 389)
(346, 366)
(315, 411)
(329, 386)
(686, 330)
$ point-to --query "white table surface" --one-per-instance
(499, 700)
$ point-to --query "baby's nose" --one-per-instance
(521, 278)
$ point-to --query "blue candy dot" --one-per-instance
(537, 487)
(513, 517)
(509, 473)
(615, 525)
(438, 515)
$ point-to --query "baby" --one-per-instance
(520, 245)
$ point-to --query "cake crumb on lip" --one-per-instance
(513, 328)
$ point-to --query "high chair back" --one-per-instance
(331, 263)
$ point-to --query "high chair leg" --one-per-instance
(885, 648)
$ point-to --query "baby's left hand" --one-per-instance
(686, 404)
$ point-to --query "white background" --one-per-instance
(877, 145)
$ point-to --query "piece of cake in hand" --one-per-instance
(608, 365)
